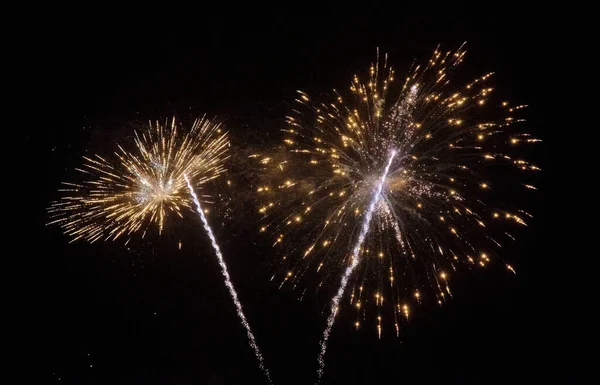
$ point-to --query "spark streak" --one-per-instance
(354, 262)
(228, 282)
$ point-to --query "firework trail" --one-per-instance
(228, 282)
(335, 302)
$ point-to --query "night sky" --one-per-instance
(148, 313)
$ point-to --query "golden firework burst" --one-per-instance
(434, 210)
(133, 189)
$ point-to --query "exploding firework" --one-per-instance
(134, 189)
(390, 187)
(147, 185)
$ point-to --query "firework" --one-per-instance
(228, 283)
(143, 187)
(392, 226)
(134, 189)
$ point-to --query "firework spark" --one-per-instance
(138, 188)
(436, 209)
(228, 283)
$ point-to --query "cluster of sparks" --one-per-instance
(329, 203)
(125, 194)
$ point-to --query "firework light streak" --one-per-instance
(228, 282)
(335, 302)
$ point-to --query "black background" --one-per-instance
(150, 314)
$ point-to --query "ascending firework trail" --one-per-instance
(228, 283)
(335, 302)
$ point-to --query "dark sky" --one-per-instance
(105, 314)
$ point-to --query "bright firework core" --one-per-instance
(157, 187)
(155, 192)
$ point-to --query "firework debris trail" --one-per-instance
(228, 282)
(353, 263)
